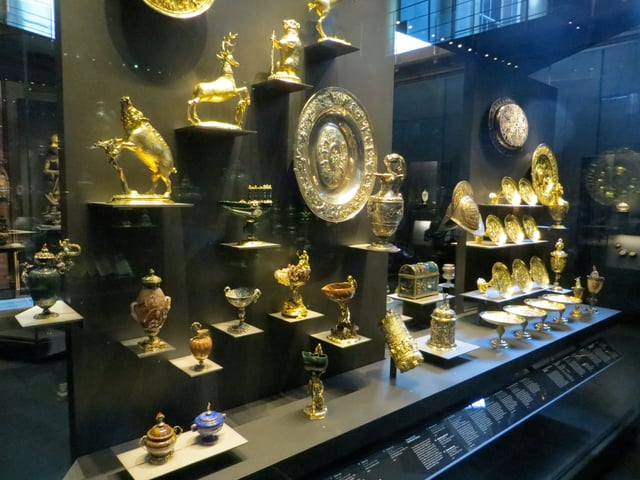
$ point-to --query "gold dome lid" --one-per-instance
(160, 431)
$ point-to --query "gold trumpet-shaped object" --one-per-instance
(402, 346)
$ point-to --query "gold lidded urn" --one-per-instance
(402, 346)
(200, 345)
(595, 282)
(294, 277)
(558, 263)
(386, 206)
(150, 310)
(341, 293)
(160, 440)
(578, 292)
(443, 327)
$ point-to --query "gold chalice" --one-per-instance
(341, 293)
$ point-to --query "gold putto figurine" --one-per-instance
(221, 90)
(289, 46)
(150, 148)
(294, 277)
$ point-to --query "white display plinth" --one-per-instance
(461, 348)
(224, 327)
(253, 245)
(371, 247)
(188, 365)
(436, 297)
(310, 314)
(133, 344)
(188, 450)
(324, 336)
(65, 314)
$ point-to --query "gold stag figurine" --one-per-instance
(221, 89)
(148, 145)
(290, 48)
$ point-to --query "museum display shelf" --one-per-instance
(385, 407)
(213, 131)
(327, 50)
(277, 86)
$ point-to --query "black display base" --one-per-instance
(327, 49)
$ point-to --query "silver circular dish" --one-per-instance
(180, 8)
(335, 157)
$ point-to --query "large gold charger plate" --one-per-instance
(180, 8)
(334, 155)
(544, 174)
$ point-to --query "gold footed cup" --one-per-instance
(341, 293)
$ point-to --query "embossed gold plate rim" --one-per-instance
(173, 8)
(334, 109)
(544, 173)
(538, 271)
(513, 228)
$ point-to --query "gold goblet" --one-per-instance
(594, 285)
(341, 293)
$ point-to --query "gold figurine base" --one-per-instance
(314, 414)
(135, 198)
(218, 125)
(152, 344)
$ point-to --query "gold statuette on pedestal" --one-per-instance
(316, 363)
(289, 47)
(221, 90)
(402, 346)
(150, 148)
(322, 8)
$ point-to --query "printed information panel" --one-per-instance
(427, 451)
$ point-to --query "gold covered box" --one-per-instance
(418, 280)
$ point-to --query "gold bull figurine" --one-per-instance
(147, 144)
(221, 89)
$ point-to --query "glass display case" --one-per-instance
(470, 106)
